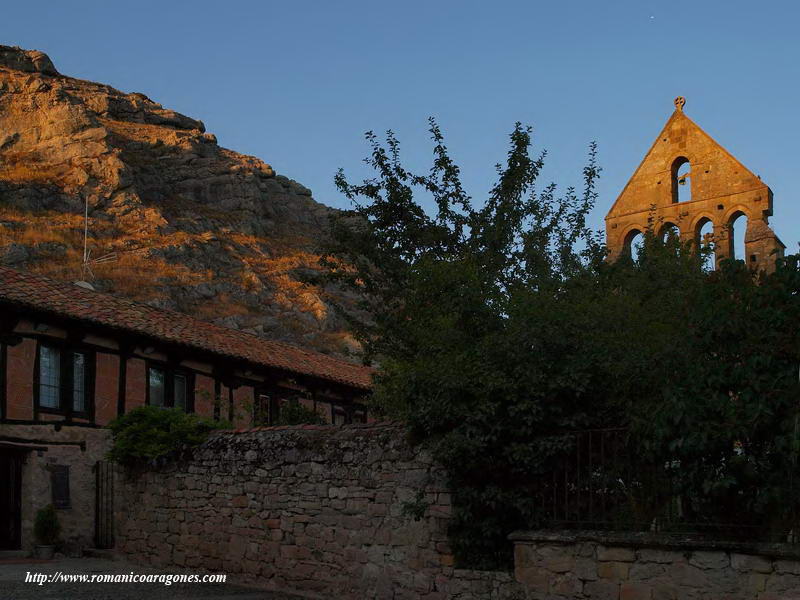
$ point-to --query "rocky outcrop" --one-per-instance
(30, 61)
(174, 219)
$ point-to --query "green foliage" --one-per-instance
(500, 329)
(47, 527)
(148, 433)
(292, 412)
(448, 298)
(724, 404)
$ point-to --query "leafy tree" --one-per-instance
(726, 406)
(448, 297)
(500, 329)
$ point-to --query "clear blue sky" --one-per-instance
(297, 83)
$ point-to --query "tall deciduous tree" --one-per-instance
(499, 328)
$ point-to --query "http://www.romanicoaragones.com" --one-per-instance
(132, 577)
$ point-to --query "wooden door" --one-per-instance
(10, 498)
(104, 505)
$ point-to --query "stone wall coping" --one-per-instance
(329, 427)
(655, 540)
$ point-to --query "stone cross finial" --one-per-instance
(680, 102)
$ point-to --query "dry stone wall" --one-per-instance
(345, 512)
(355, 512)
(593, 566)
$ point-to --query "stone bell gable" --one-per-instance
(687, 180)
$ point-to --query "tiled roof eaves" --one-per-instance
(198, 347)
(75, 303)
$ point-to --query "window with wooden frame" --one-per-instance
(339, 415)
(342, 414)
(170, 388)
(270, 399)
(359, 414)
(267, 407)
(64, 379)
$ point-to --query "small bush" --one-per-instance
(47, 528)
(148, 433)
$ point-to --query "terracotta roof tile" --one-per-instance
(74, 302)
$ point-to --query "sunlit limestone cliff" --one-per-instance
(185, 223)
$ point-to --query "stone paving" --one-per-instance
(14, 587)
